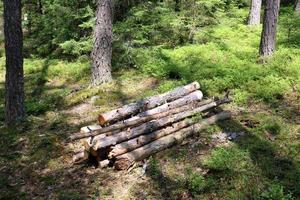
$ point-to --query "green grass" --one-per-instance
(264, 164)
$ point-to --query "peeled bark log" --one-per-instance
(145, 104)
(89, 129)
(151, 126)
(158, 112)
(126, 160)
(135, 143)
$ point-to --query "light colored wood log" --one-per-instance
(151, 126)
(90, 128)
(158, 112)
(146, 104)
(126, 160)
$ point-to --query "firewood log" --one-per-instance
(142, 140)
(151, 126)
(146, 104)
(158, 112)
(126, 160)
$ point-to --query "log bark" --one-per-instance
(151, 126)
(254, 16)
(158, 112)
(126, 160)
(135, 143)
(89, 129)
(269, 32)
(146, 104)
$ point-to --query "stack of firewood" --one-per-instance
(137, 130)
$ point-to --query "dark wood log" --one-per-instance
(158, 112)
(146, 104)
(126, 160)
(142, 140)
(151, 126)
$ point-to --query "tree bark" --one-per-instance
(102, 51)
(151, 126)
(14, 83)
(268, 36)
(126, 160)
(254, 16)
(173, 107)
(145, 104)
(297, 6)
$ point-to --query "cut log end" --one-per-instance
(101, 120)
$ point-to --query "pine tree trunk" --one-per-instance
(254, 16)
(297, 6)
(268, 36)
(102, 51)
(14, 84)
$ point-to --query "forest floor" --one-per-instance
(262, 163)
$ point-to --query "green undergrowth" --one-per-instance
(263, 164)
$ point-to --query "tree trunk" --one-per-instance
(102, 51)
(126, 160)
(14, 83)
(297, 6)
(173, 107)
(254, 16)
(145, 104)
(151, 126)
(268, 36)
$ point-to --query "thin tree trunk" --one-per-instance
(254, 16)
(102, 51)
(268, 36)
(297, 6)
(14, 83)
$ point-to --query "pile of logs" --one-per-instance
(137, 130)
